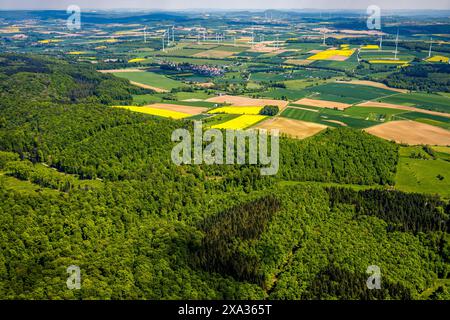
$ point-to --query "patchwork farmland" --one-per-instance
(101, 166)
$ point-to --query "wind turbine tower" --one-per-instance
(396, 46)
(381, 42)
(145, 34)
(431, 44)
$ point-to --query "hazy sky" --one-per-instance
(227, 4)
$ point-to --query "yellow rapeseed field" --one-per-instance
(327, 54)
(385, 61)
(135, 60)
(48, 41)
(156, 112)
(240, 122)
(370, 47)
(438, 59)
(237, 110)
(76, 52)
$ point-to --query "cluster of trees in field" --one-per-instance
(421, 77)
(269, 110)
(147, 229)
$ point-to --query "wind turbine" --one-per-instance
(168, 37)
(324, 43)
(381, 42)
(145, 34)
(431, 44)
(396, 46)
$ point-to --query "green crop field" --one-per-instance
(325, 115)
(436, 102)
(417, 175)
(347, 93)
(151, 79)
(192, 95)
(373, 113)
(146, 98)
(181, 52)
(278, 93)
(265, 76)
(199, 61)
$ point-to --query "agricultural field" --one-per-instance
(150, 79)
(333, 55)
(237, 110)
(160, 112)
(411, 132)
(434, 120)
(291, 128)
(239, 123)
(245, 101)
(434, 102)
(374, 113)
(92, 173)
(328, 117)
(347, 93)
(431, 176)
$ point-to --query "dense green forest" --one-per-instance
(88, 185)
(421, 77)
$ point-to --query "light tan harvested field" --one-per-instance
(399, 106)
(121, 70)
(178, 108)
(411, 132)
(363, 32)
(323, 104)
(338, 58)
(266, 49)
(314, 51)
(246, 39)
(245, 101)
(298, 62)
(374, 84)
(293, 128)
(214, 54)
(146, 86)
